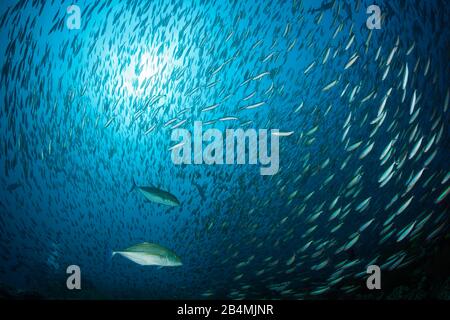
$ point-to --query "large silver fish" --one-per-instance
(157, 195)
(150, 254)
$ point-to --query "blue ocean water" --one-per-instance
(363, 178)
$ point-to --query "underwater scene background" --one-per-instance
(363, 173)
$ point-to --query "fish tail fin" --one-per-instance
(133, 187)
(113, 253)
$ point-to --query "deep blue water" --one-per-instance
(84, 112)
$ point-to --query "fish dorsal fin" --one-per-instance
(149, 248)
(140, 247)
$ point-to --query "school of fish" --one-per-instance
(86, 114)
